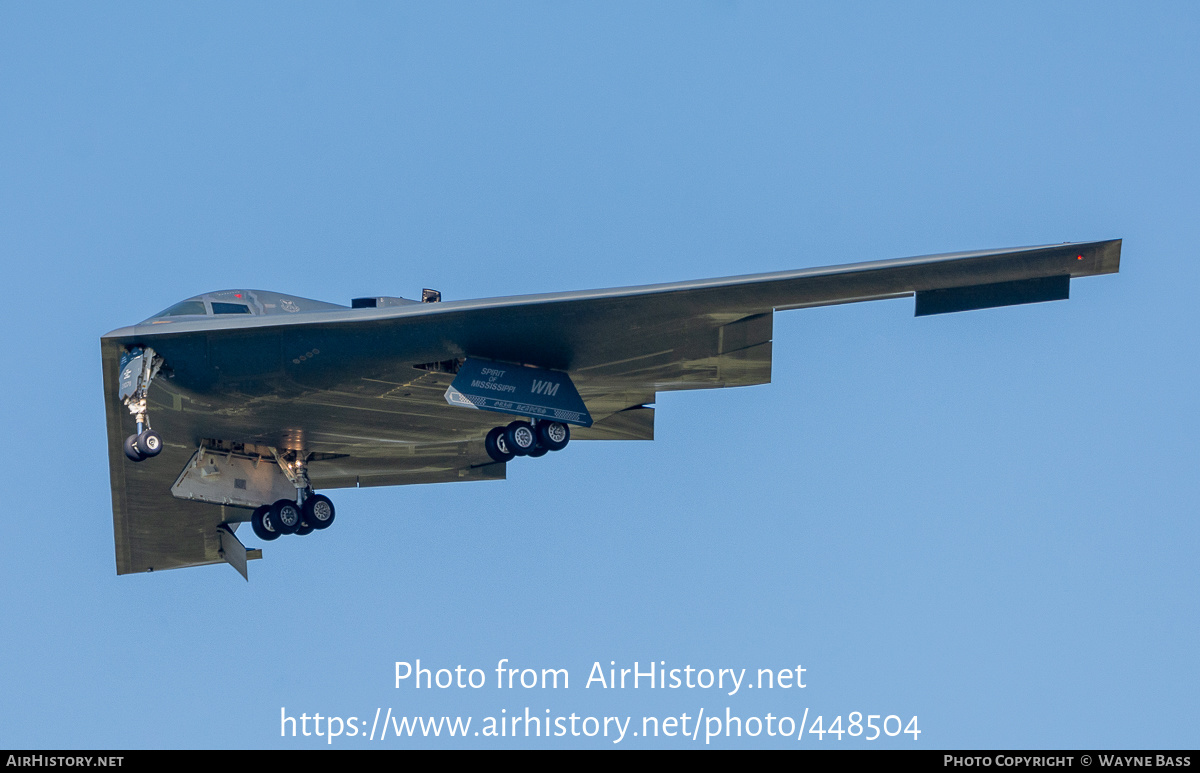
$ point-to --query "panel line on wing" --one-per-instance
(622, 362)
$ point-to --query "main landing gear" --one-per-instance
(523, 438)
(286, 517)
(138, 369)
(308, 513)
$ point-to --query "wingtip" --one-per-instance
(1110, 256)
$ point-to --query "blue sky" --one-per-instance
(987, 520)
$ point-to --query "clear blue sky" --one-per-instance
(987, 520)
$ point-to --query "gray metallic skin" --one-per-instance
(342, 383)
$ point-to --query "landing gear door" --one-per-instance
(518, 390)
(221, 478)
(131, 372)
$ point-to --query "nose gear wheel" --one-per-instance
(149, 443)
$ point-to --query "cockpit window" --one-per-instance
(230, 308)
(183, 309)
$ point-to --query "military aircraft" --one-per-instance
(258, 399)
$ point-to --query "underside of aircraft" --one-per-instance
(240, 405)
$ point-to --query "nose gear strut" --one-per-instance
(138, 369)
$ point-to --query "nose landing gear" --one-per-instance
(138, 369)
(142, 444)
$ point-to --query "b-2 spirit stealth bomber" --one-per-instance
(240, 405)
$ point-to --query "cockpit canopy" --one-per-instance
(248, 302)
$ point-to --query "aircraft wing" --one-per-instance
(363, 389)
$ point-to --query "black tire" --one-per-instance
(304, 528)
(285, 516)
(497, 446)
(319, 511)
(149, 443)
(131, 449)
(520, 437)
(539, 450)
(553, 435)
(260, 521)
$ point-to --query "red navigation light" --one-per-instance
(1077, 257)
(239, 295)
